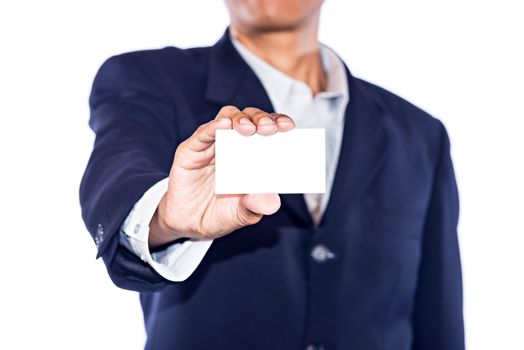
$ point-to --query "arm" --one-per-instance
(438, 320)
(135, 141)
(133, 150)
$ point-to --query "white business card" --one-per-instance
(286, 162)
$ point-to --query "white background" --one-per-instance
(461, 60)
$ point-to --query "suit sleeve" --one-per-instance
(438, 314)
(134, 146)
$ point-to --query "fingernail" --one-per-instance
(245, 121)
(265, 121)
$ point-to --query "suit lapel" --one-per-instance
(364, 145)
(363, 150)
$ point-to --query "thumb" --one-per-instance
(253, 206)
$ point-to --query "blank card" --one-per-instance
(286, 162)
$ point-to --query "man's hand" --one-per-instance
(190, 208)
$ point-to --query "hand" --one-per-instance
(190, 208)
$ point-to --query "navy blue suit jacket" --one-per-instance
(395, 280)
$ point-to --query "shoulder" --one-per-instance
(402, 116)
(398, 108)
(154, 64)
(414, 135)
(169, 55)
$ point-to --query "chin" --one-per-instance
(272, 15)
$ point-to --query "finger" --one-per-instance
(284, 122)
(253, 206)
(204, 136)
(227, 112)
(243, 124)
(265, 124)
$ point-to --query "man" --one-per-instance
(372, 264)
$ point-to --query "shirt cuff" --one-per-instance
(178, 261)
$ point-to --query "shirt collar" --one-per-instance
(280, 86)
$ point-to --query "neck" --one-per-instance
(294, 52)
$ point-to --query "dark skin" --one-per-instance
(284, 34)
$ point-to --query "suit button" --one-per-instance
(320, 253)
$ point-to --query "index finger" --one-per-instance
(204, 136)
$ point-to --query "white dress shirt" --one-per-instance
(326, 110)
